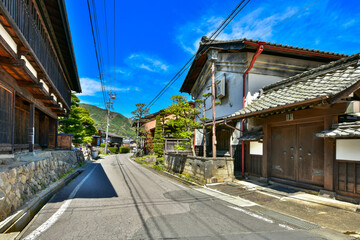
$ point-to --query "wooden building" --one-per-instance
(238, 74)
(113, 139)
(37, 72)
(306, 132)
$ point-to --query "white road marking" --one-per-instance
(252, 214)
(286, 227)
(46, 225)
(260, 217)
(226, 197)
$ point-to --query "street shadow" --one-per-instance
(96, 185)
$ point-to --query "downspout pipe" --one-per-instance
(257, 53)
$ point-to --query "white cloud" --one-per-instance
(92, 87)
(148, 63)
(253, 25)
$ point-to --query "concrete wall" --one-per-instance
(25, 177)
(200, 169)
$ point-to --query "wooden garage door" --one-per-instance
(283, 143)
(297, 154)
(310, 154)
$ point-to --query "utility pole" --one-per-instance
(108, 105)
(212, 56)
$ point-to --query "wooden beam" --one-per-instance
(329, 157)
(12, 62)
(13, 122)
(43, 97)
(29, 84)
(32, 127)
(344, 93)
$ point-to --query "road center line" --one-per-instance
(46, 225)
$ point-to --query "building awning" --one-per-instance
(252, 136)
(342, 130)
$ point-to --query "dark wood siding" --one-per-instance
(6, 103)
(254, 164)
(25, 16)
(21, 121)
(348, 178)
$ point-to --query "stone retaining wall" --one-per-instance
(30, 174)
(202, 170)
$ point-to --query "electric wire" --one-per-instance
(114, 40)
(99, 47)
(107, 40)
(96, 51)
(187, 65)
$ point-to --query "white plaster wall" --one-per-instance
(348, 149)
(256, 148)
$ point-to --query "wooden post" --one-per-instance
(13, 123)
(213, 108)
(56, 133)
(266, 151)
(329, 157)
(231, 147)
(31, 127)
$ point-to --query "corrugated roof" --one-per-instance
(342, 130)
(316, 84)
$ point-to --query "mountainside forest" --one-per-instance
(119, 124)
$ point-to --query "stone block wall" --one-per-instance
(20, 181)
(202, 170)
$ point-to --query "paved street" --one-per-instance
(115, 198)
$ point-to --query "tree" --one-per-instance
(79, 123)
(139, 113)
(203, 119)
(183, 122)
(159, 136)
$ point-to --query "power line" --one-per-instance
(107, 38)
(114, 39)
(213, 36)
(96, 51)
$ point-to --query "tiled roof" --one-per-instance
(252, 136)
(317, 84)
(342, 130)
(204, 41)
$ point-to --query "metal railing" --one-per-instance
(28, 21)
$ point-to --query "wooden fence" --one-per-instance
(170, 144)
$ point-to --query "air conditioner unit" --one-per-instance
(220, 88)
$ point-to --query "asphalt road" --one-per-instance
(115, 198)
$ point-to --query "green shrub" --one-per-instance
(102, 144)
(113, 149)
(124, 150)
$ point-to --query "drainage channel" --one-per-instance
(15, 223)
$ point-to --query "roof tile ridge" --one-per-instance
(323, 69)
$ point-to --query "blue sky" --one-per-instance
(155, 38)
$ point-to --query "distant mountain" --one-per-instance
(119, 124)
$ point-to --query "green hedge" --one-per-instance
(102, 144)
(124, 150)
(113, 149)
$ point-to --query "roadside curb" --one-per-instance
(305, 196)
(19, 219)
